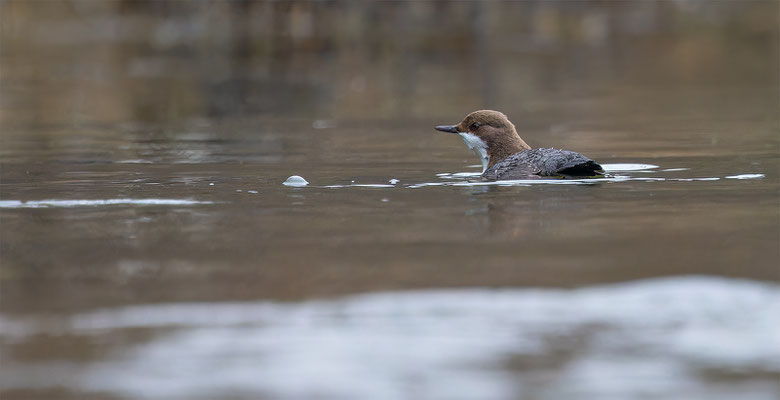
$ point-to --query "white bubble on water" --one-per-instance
(296, 181)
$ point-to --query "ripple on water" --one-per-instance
(364, 185)
(460, 178)
(473, 179)
(450, 175)
(627, 167)
(98, 202)
(746, 176)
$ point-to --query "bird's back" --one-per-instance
(543, 162)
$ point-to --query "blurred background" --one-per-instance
(148, 249)
(85, 62)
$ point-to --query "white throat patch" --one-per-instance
(478, 146)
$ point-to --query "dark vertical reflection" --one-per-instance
(281, 41)
(405, 57)
(483, 54)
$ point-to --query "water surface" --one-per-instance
(708, 338)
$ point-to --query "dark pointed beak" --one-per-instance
(447, 128)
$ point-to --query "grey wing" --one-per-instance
(563, 162)
(543, 162)
(516, 166)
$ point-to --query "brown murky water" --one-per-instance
(259, 239)
(144, 220)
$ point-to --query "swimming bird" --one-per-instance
(504, 155)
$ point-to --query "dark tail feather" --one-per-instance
(588, 168)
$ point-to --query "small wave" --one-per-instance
(366, 185)
(456, 175)
(134, 161)
(746, 176)
(98, 202)
(627, 167)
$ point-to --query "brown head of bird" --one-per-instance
(489, 134)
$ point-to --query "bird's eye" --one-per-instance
(475, 126)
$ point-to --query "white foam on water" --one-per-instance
(658, 337)
(448, 175)
(694, 179)
(627, 167)
(367, 185)
(323, 124)
(99, 202)
(618, 167)
(746, 176)
(527, 182)
(647, 179)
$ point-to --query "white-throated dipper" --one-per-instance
(504, 155)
